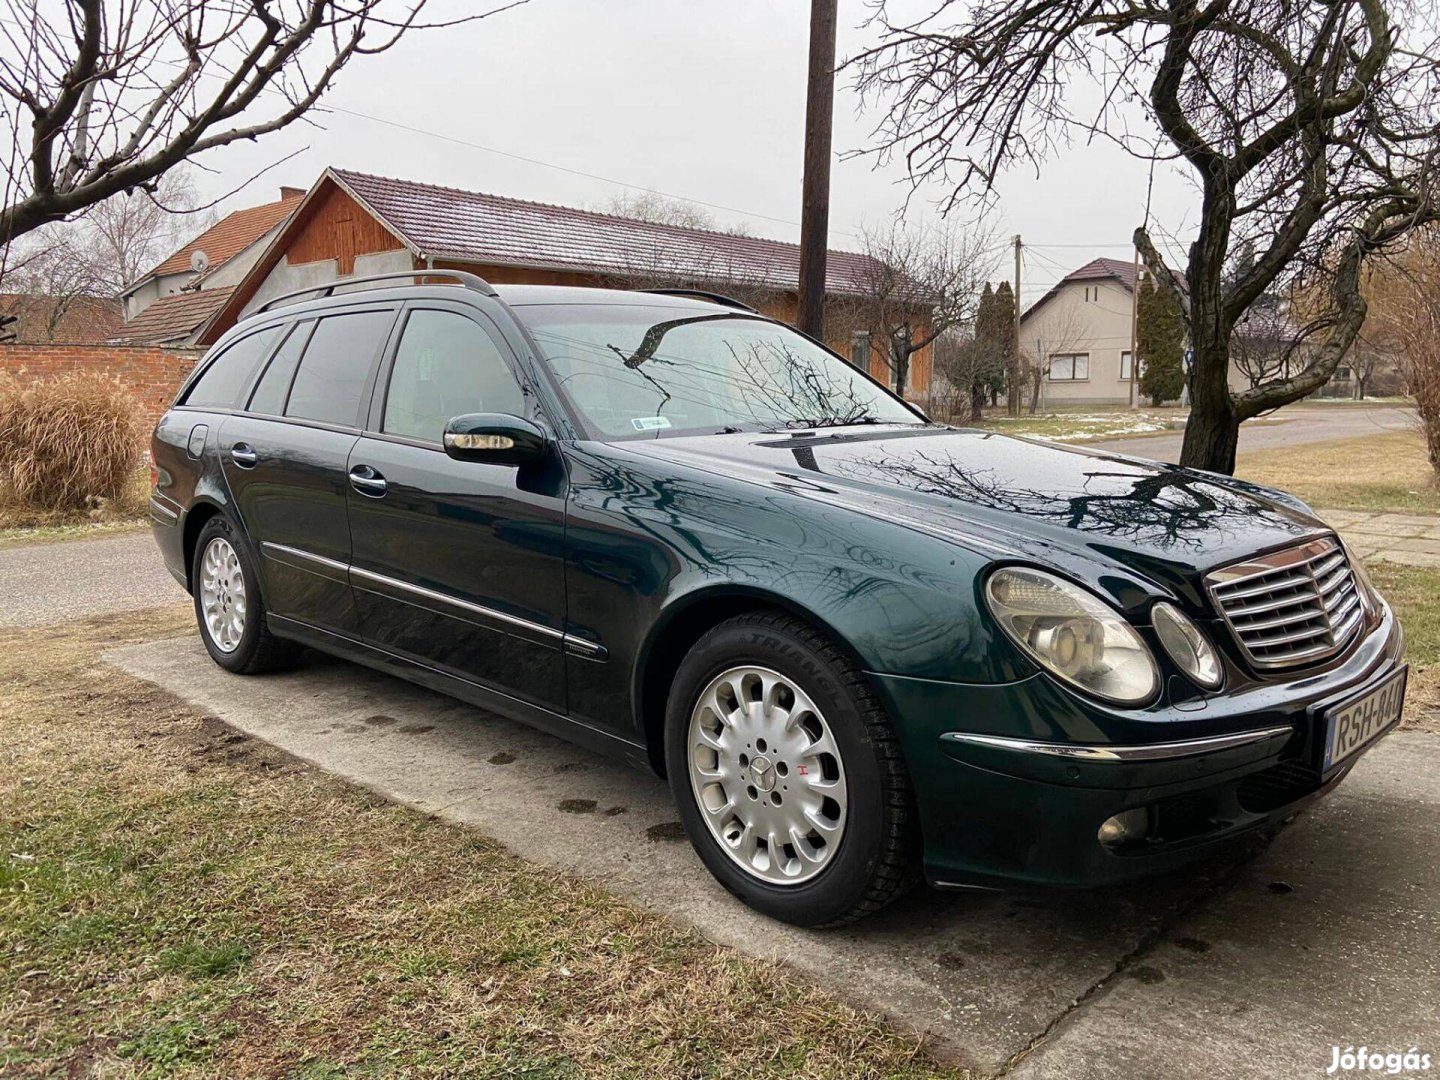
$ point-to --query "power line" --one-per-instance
(600, 178)
(505, 153)
(565, 168)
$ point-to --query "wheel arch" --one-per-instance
(195, 520)
(684, 622)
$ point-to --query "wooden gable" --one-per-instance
(337, 227)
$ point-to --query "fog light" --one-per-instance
(1124, 828)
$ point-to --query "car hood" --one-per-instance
(1014, 496)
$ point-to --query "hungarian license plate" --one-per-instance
(1357, 723)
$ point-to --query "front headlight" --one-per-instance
(1073, 635)
(1187, 645)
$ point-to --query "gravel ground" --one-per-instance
(42, 584)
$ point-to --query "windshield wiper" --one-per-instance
(834, 421)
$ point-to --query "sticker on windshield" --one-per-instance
(650, 423)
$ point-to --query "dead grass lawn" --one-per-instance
(1379, 472)
(178, 899)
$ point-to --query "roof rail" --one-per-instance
(462, 277)
(713, 297)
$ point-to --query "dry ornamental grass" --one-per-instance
(66, 444)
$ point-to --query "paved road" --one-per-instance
(1238, 970)
(49, 583)
(1289, 427)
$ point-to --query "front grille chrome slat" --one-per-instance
(1290, 607)
(1269, 588)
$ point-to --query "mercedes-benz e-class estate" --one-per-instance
(863, 647)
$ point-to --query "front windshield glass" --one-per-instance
(644, 372)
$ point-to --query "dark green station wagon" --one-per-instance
(863, 647)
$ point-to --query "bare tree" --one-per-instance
(920, 282)
(99, 99)
(1364, 361)
(658, 266)
(1406, 315)
(659, 209)
(1309, 132)
(128, 235)
(1054, 333)
(1262, 347)
(110, 245)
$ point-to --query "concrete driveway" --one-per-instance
(1288, 427)
(1245, 967)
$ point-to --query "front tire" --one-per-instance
(788, 776)
(228, 605)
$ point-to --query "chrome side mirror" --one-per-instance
(499, 438)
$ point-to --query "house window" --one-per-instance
(1343, 374)
(1125, 366)
(1069, 367)
(860, 349)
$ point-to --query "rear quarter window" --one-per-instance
(274, 385)
(229, 373)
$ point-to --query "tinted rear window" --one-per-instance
(229, 373)
(335, 366)
(274, 385)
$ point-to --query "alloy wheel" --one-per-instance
(222, 594)
(767, 775)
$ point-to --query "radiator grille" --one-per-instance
(1289, 607)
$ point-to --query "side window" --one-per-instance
(274, 385)
(335, 366)
(220, 384)
(446, 365)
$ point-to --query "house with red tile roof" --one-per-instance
(58, 320)
(352, 224)
(171, 302)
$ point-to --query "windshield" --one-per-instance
(644, 372)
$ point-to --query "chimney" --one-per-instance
(288, 193)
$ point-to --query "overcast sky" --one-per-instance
(704, 101)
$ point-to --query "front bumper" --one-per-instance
(1002, 800)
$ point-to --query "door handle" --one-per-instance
(367, 481)
(243, 454)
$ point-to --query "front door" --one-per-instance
(458, 565)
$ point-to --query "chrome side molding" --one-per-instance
(1121, 754)
(360, 577)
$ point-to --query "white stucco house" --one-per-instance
(1078, 333)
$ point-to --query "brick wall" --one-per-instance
(151, 374)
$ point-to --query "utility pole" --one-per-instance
(1135, 335)
(1012, 395)
(815, 193)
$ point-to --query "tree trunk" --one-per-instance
(977, 403)
(1035, 390)
(1213, 429)
(901, 349)
(901, 364)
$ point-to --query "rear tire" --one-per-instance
(788, 776)
(228, 605)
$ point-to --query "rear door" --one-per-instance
(459, 565)
(285, 460)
